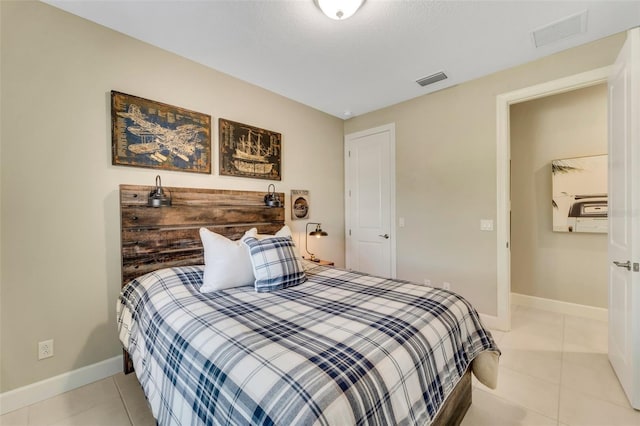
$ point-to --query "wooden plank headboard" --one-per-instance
(162, 237)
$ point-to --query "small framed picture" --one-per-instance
(299, 204)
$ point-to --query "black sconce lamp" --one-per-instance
(317, 233)
(272, 199)
(157, 197)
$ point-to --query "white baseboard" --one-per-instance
(490, 321)
(45, 389)
(566, 308)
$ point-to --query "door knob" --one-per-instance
(626, 264)
(385, 236)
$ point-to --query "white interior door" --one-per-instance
(370, 201)
(624, 217)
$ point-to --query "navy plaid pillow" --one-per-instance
(275, 264)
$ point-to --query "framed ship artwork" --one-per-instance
(151, 134)
(248, 151)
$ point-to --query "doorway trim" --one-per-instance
(503, 175)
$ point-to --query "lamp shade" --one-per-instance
(339, 9)
(317, 233)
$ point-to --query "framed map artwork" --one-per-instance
(151, 134)
(248, 151)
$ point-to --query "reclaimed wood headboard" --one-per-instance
(153, 238)
(161, 237)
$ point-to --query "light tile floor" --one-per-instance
(553, 371)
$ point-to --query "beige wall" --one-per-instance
(570, 267)
(446, 171)
(60, 267)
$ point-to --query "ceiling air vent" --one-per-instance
(564, 28)
(430, 79)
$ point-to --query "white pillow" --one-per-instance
(253, 232)
(227, 263)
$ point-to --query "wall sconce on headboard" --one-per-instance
(157, 197)
(272, 199)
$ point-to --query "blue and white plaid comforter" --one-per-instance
(342, 348)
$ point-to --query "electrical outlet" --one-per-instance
(427, 282)
(446, 285)
(45, 349)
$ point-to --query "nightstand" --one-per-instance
(321, 262)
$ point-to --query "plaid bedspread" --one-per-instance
(343, 348)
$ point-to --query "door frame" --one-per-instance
(391, 128)
(503, 176)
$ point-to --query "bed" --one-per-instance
(339, 348)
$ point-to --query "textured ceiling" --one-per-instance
(372, 60)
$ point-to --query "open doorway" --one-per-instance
(558, 258)
(503, 156)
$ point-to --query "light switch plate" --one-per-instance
(486, 224)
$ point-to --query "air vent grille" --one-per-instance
(430, 79)
(564, 28)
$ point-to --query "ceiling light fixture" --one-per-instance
(339, 9)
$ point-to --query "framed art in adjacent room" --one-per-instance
(248, 151)
(300, 204)
(580, 194)
(146, 133)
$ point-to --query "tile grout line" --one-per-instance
(559, 384)
(564, 329)
(601, 398)
(124, 403)
(531, 377)
(508, 401)
(535, 378)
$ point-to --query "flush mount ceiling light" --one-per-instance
(339, 9)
